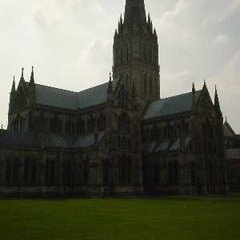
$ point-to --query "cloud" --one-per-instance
(230, 75)
(228, 84)
(49, 13)
(95, 62)
(220, 39)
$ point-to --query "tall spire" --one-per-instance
(22, 76)
(193, 88)
(193, 96)
(136, 42)
(216, 101)
(135, 12)
(32, 77)
(13, 85)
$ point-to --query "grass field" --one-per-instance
(165, 218)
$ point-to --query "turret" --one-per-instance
(13, 85)
(193, 97)
(110, 88)
(32, 80)
(216, 102)
(22, 76)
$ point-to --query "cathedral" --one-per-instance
(119, 138)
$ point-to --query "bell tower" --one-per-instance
(135, 52)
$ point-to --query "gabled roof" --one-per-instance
(93, 96)
(60, 98)
(169, 106)
(227, 130)
(55, 97)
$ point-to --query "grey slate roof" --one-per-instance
(19, 139)
(175, 146)
(228, 131)
(60, 98)
(163, 146)
(169, 106)
(88, 140)
(58, 141)
(55, 97)
(167, 145)
(149, 147)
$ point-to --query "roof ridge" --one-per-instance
(84, 90)
(229, 127)
(178, 95)
(65, 90)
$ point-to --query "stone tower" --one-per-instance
(135, 52)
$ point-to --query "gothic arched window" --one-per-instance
(173, 172)
(125, 170)
(145, 84)
(30, 171)
(101, 122)
(122, 97)
(150, 86)
(106, 171)
(50, 172)
(69, 173)
(13, 171)
(127, 53)
(81, 126)
(124, 124)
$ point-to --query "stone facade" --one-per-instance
(118, 138)
(232, 155)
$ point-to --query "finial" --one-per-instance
(193, 87)
(22, 71)
(22, 76)
(32, 76)
(13, 84)
(216, 101)
(155, 32)
(216, 92)
(110, 84)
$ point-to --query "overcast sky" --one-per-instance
(69, 42)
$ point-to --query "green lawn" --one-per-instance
(166, 218)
